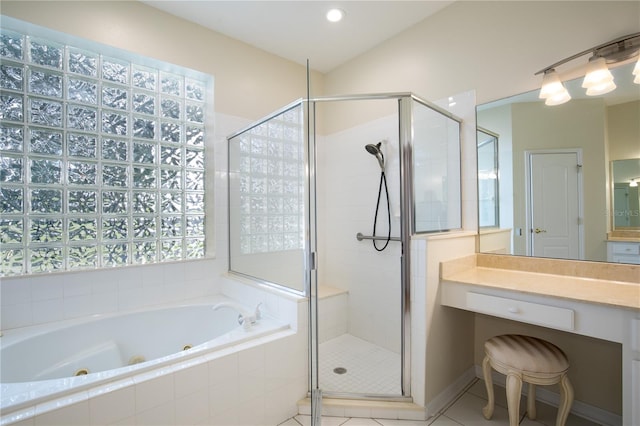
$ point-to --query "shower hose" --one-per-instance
(383, 181)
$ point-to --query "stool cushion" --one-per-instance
(526, 353)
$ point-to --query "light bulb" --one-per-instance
(551, 84)
(558, 98)
(597, 74)
(601, 89)
(335, 15)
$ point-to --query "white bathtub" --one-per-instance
(42, 364)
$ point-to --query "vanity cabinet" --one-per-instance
(588, 305)
(623, 252)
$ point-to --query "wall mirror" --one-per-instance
(586, 138)
(625, 175)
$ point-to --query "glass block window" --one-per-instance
(269, 160)
(102, 156)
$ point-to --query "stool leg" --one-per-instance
(487, 411)
(531, 402)
(566, 399)
(514, 390)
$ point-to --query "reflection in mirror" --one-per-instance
(626, 204)
(488, 197)
(601, 128)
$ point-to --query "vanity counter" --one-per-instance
(630, 234)
(599, 291)
(624, 239)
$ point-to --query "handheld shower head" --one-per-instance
(375, 151)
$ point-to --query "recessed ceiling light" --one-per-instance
(335, 15)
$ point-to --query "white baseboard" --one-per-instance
(578, 408)
(438, 404)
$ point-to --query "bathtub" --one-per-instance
(44, 364)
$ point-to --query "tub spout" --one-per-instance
(259, 311)
(245, 318)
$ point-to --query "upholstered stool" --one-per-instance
(528, 359)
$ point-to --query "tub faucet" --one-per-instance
(259, 311)
(245, 318)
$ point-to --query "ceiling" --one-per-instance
(298, 30)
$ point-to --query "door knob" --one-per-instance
(538, 230)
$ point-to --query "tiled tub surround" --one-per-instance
(242, 381)
(583, 298)
(38, 299)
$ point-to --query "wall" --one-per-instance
(441, 338)
(494, 48)
(241, 88)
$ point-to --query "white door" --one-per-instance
(554, 189)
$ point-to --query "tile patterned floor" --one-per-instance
(369, 368)
(464, 411)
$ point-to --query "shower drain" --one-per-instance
(339, 370)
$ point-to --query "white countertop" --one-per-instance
(617, 293)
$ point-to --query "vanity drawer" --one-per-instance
(625, 248)
(517, 310)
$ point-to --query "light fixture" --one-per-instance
(633, 183)
(553, 91)
(598, 79)
(335, 15)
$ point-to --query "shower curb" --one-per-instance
(338, 407)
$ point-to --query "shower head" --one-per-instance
(375, 151)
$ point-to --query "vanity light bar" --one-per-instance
(598, 79)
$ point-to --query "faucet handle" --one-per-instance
(258, 313)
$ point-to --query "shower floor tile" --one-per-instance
(370, 369)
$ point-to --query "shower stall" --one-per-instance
(324, 197)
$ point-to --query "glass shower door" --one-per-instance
(360, 292)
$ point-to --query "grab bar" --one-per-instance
(361, 237)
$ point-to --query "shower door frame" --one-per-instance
(407, 228)
(406, 220)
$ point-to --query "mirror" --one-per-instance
(488, 194)
(625, 175)
(598, 131)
